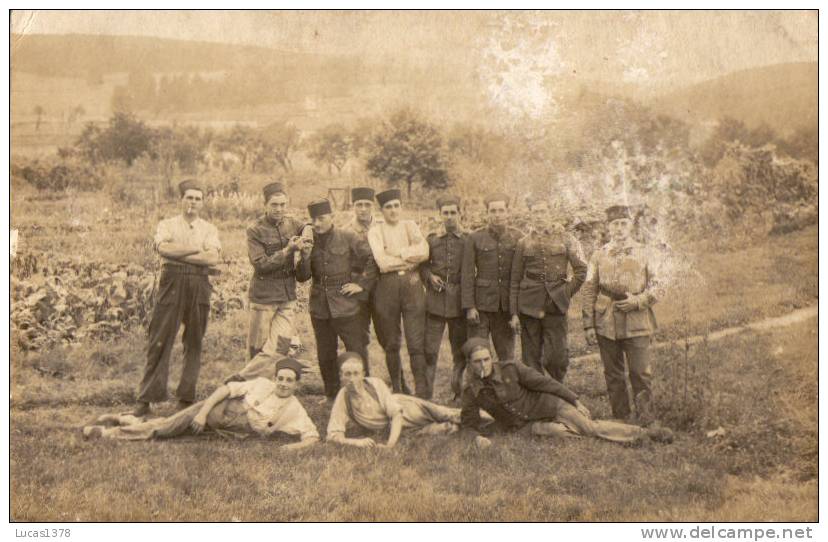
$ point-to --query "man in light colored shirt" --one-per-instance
(261, 406)
(399, 248)
(189, 248)
(368, 403)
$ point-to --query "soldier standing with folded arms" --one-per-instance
(189, 248)
(441, 275)
(399, 248)
(540, 290)
(619, 293)
(343, 272)
(486, 273)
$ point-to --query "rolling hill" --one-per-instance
(782, 95)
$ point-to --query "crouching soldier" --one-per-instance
(260, 406)
(369, 404)
(617, 311)
(540, 290)
(441, 275)
(343, 273)
(518, 396)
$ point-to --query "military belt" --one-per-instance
(188, 269)
(612, 295)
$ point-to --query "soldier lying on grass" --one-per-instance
(259, 406)
(518, 396)
(368, 403)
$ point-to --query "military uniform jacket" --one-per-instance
(487, 267)
(514, 394)
(614, 272)
(273, 278)
(446, 261)
(345, 257)
(539, 283)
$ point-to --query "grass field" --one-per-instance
(763, 468)
(760, 387)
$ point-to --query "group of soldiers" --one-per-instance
(485, 286)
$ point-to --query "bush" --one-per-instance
(62, 176)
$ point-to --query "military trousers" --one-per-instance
(435, 326)
(228, 415)
(497, 325)
(569, 422)
(543, 344)
(267, 324)
(183, 298)
(327, 332)
(402, 296)
(637, 352)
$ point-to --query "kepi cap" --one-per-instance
(448, 199)
(319, 207)
(189, 184)
(360, 193)
(497, 196)
(473, 344)
(273, 188)
(292, 364)
(389, 195)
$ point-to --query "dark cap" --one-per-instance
(614, 212)
(189, 184)
(362, 193)
(319, 207)
(497, 196)
(449, 199)
(345, 356)
(292, 364)
(389, 195)
(271, 189)
(474, 344)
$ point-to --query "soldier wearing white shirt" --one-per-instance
(260, 406)
(189, 248)
(399, 248)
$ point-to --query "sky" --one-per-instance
(648, 47)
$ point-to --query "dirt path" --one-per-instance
(799, 315)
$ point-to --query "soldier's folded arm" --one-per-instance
(257, 254)
(471, 424)
(385, 261)
(535, 381)
(417, 252)
(652, 292)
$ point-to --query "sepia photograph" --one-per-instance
(414, 266)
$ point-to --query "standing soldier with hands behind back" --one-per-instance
(619, 292)
(189, 248)
(487, 268)
(441, 275)
(540, 290)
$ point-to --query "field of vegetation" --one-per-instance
(733, 215)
